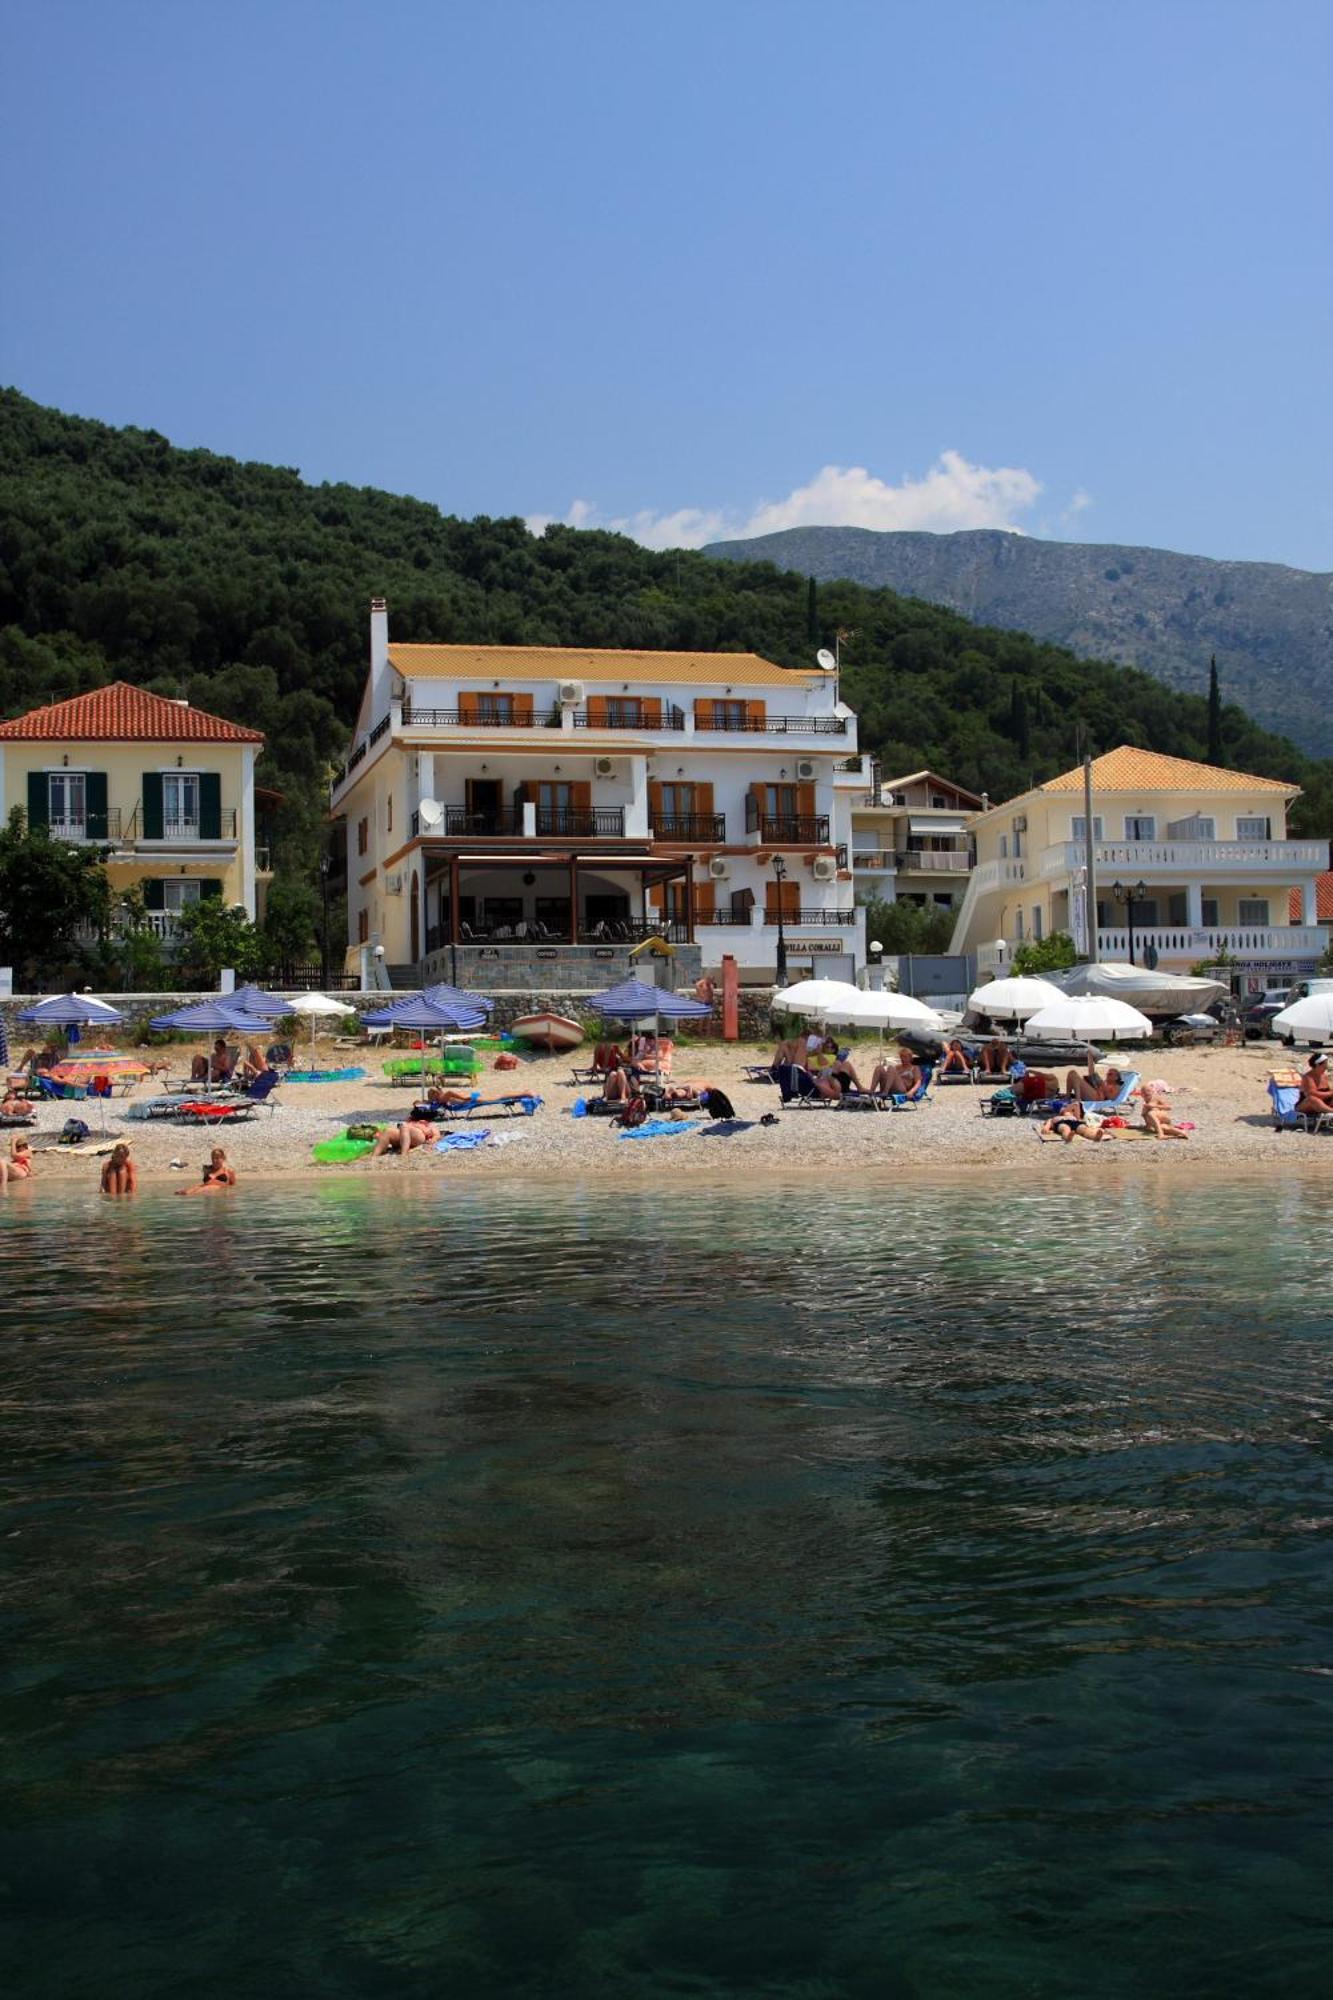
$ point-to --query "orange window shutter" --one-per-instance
(654, 800)
(756, 712)
(705, 901)
(523, 710)
(703, 801)
(655, 896)
(759, 793)
(580, 796)
(469, 707)
(597, 711)
(770, 900)
(651, 707)
(703, 712)
(805, 801)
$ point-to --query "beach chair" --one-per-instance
(900, 1101)
(515, 1104)
(261, 1090)
(798, 1088)
(1117, 1106)
(214, 1111)
(758, 1073)
(1284, 1098)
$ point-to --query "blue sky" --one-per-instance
(698, 268)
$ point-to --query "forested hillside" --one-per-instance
(248, 590)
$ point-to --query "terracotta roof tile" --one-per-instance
(1131, 770)
(123, 714)
(579, 663)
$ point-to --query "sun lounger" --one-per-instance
(1284, 1098)
(514, 1104)
(214, 1111)
(758, 1073)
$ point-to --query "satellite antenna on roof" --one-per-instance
(430, 812)
(825, 659)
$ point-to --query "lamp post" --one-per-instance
(324, 927)
(1129, 897)
(780, 876)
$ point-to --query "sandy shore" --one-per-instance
(1219, 1091)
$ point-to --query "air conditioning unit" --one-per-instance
(718, 868)
(605, 767)
(805, 770)
(393, 885)
(824, 868)
(570, 693)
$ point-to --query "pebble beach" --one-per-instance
(1219, 1092)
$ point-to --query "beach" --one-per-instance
(1218, 1091)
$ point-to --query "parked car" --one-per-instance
(1187, 1029)
(1257, 1021)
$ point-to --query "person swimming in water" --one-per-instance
(217, 1174)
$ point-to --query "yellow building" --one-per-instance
(166, 790)
(1194, 860)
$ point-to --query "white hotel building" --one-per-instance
(523, 816)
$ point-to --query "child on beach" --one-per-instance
(119, 1175)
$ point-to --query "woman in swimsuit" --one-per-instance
(217, 1174)
(119, 1175)
(404, 1138)
(955, 1061)
(1070, 1125)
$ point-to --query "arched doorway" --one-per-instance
(416, 918)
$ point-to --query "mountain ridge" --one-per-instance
(1269, 625)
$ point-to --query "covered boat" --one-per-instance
(549, 1031)
(1165, 994)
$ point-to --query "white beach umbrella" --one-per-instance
(1308, 1020)
(814, 996)
(884, 1010)
(318, 1007)
(1084, 1017)
(1013, 999)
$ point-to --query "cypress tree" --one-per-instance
(1214, 714)
(812, 611)
(1019, 730)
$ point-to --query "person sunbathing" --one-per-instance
(252, 1065)
(437, 1098)
(606, 1057)
(18, 1167)
(1088, 1088)
(216, 1068)
(898, 1079)
(404, 1138)
(833, 1061)
(996, 1058)
(217, 1174)
(619, 1087)
(15, 1107)
(791, 1050)
(1316, 1096)
(37, 1061)
(1069, 1125)
(955, 1061)
(119, 1175)
(1157, 1113)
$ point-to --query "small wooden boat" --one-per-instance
(549, 1031)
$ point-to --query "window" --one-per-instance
(180, 805)
(552, 797)
(1252, 828)
(779, 801)
(178, 891)
(363, 836)
(1004, 847)
(1252, 910)
(624, 713)
(1018, 927)
(1211, 912)
(1145, 914)
(1036, 923)
(1079, 827)
(728, 715)
(67, 804)
(936, 800)
(1142, 826)
(363, 926)
(495, 708)
(388, 814)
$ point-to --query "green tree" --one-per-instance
(1214, 714)
(916, 929)
(291, 923)
(1049, 954)
(212, 936)
(49, 891)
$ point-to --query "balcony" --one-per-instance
(454, 718)
(1244, 941)
(998, 875)
(872, 861)
(792, 920)
(773, 725)
(96, 829)
(690, 826)
(1218, 860)
(178, 832)
(511, 823)
(786, 829)
(936, 860)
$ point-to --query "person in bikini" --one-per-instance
(955, 1062)
(18, 1167)
(404, 1138)
(1088, 1088)
(1157, 1113)
(898, 1079)
(217, 1174)
(1070, 1125)
(1316, 1095)
(996, 1058)
(119, 1175)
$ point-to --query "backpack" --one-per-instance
(72, 1132)
(634, 1113)
(718, 1104)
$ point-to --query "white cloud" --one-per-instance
(954, 493)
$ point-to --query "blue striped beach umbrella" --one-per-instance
(209, 1017)
(72, 1010)
(452, 1018)
(253, 1000)
(454, 996)
(635, 1000)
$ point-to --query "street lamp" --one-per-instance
(324, 927)
(1129, 897)
(780, 875)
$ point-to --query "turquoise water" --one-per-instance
(877, 1592)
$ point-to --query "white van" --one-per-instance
(1304, 987)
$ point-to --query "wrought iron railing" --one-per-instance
(774, 725)
(565, 823)
(506, 822)
(93, 828)
(666, 718)
(689, 826)
(183, 831)
(786, 829)
(811, 919)
(456, 718)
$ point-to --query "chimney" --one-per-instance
(379, 656)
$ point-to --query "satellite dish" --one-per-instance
(431, 812)
(825, 659)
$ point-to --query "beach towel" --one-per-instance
(658, 1128)
(461, 1142)
(726, 1126)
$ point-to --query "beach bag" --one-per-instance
(718, 1104)
(73, 1132)
(634, 1113)
(1002, 1104)
(506, 1062)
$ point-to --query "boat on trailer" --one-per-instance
(549, 1031)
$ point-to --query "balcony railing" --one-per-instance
(179, 832)
(668, 718)
(804, 919)
(1274, 859)
(92, 828)
(478, 931)
(880, 860)
(690, 826)
(506, 823)
(454, 718)
(775, 725)
(936, 860)
(786, 829)
(1237, 940)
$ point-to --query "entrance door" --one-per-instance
(483, 805)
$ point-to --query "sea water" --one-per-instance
(533, 1591)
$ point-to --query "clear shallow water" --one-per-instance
(891, 1593)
